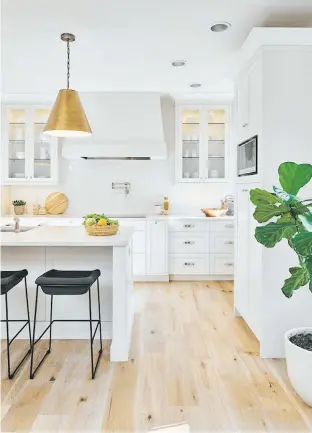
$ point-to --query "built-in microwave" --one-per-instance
(247, 157)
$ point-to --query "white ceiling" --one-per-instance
(129, 44)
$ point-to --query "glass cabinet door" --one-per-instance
(42, 155)
(215, 146)
(190, 152)
(17, 143)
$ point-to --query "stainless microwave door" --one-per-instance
(247, 157)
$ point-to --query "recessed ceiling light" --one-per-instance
(220, 27)
(195, 85)
(177, 63)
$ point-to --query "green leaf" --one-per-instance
(294, 176)
(303, 243)
(272, 233)
(265, 212)
(260, 196)
(299, 277)
(309, 268)
(286, 218)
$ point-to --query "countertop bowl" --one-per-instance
(102, 230)
(214, 212)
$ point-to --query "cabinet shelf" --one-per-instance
(215, 157)
(16, 159)
(190, 157)
(216, 123)
(16, 141)
(190, 141)
(190, 123)
(214, 141)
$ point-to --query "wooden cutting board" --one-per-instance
(56, 203)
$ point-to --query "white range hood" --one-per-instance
(124, 126)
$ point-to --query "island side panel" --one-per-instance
(32, 259)
(122, 303)
(77, 307)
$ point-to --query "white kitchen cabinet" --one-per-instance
(249, 96)
(201, 247)
(29, 157)
(242, 271)
(157, 256)
(202, 145)
(221, 264)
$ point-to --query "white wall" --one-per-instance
(88, 183)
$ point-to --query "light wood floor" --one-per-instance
(191, 360)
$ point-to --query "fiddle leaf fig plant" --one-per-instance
(288, 218)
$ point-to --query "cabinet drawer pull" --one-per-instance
(245, 190)
(229, 226)
(189, 242)
(189, 264)
(228, 264)
(188, 226)
(229, 242)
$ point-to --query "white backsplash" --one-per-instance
(88, 184)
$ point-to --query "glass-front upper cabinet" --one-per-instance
(202, 143)
(28, 156)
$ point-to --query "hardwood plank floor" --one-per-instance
(191, 360)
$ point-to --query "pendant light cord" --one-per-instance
(68, 64)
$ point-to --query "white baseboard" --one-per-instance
(151, 278)
(201, 277)
(60, 330)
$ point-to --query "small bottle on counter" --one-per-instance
(166, 206)
(36, 208)
(42, 210)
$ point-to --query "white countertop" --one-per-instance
(148, 217)
(65, 236)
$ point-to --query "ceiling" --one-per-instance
(130, 44)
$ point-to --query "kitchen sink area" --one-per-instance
(11, 229)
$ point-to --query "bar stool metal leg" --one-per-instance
(34, 341)
(7, 333)
(9, 342)
(92, 335)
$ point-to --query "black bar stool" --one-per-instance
(10, 279)
(56, 283)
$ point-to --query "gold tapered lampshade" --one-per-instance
(67, 118)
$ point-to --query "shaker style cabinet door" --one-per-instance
(29, 157)
(157, 256)
(202, 138)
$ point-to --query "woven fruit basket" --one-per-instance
(108, 230)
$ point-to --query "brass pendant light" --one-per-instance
(67, 118)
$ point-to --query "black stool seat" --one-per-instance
(56, 282)
(10, 279)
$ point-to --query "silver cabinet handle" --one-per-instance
(245, 124)
(189, 264)
(188, 226)
(228, 264)
(229, 242)
(189, 242)
(245, 190)
(229, 226)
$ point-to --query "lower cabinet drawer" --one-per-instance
(221, 243)
(188, 243)
(188, 264)
(221, 264)
(139, 264)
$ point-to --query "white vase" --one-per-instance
(299, 365)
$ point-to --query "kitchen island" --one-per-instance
(71, 248)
